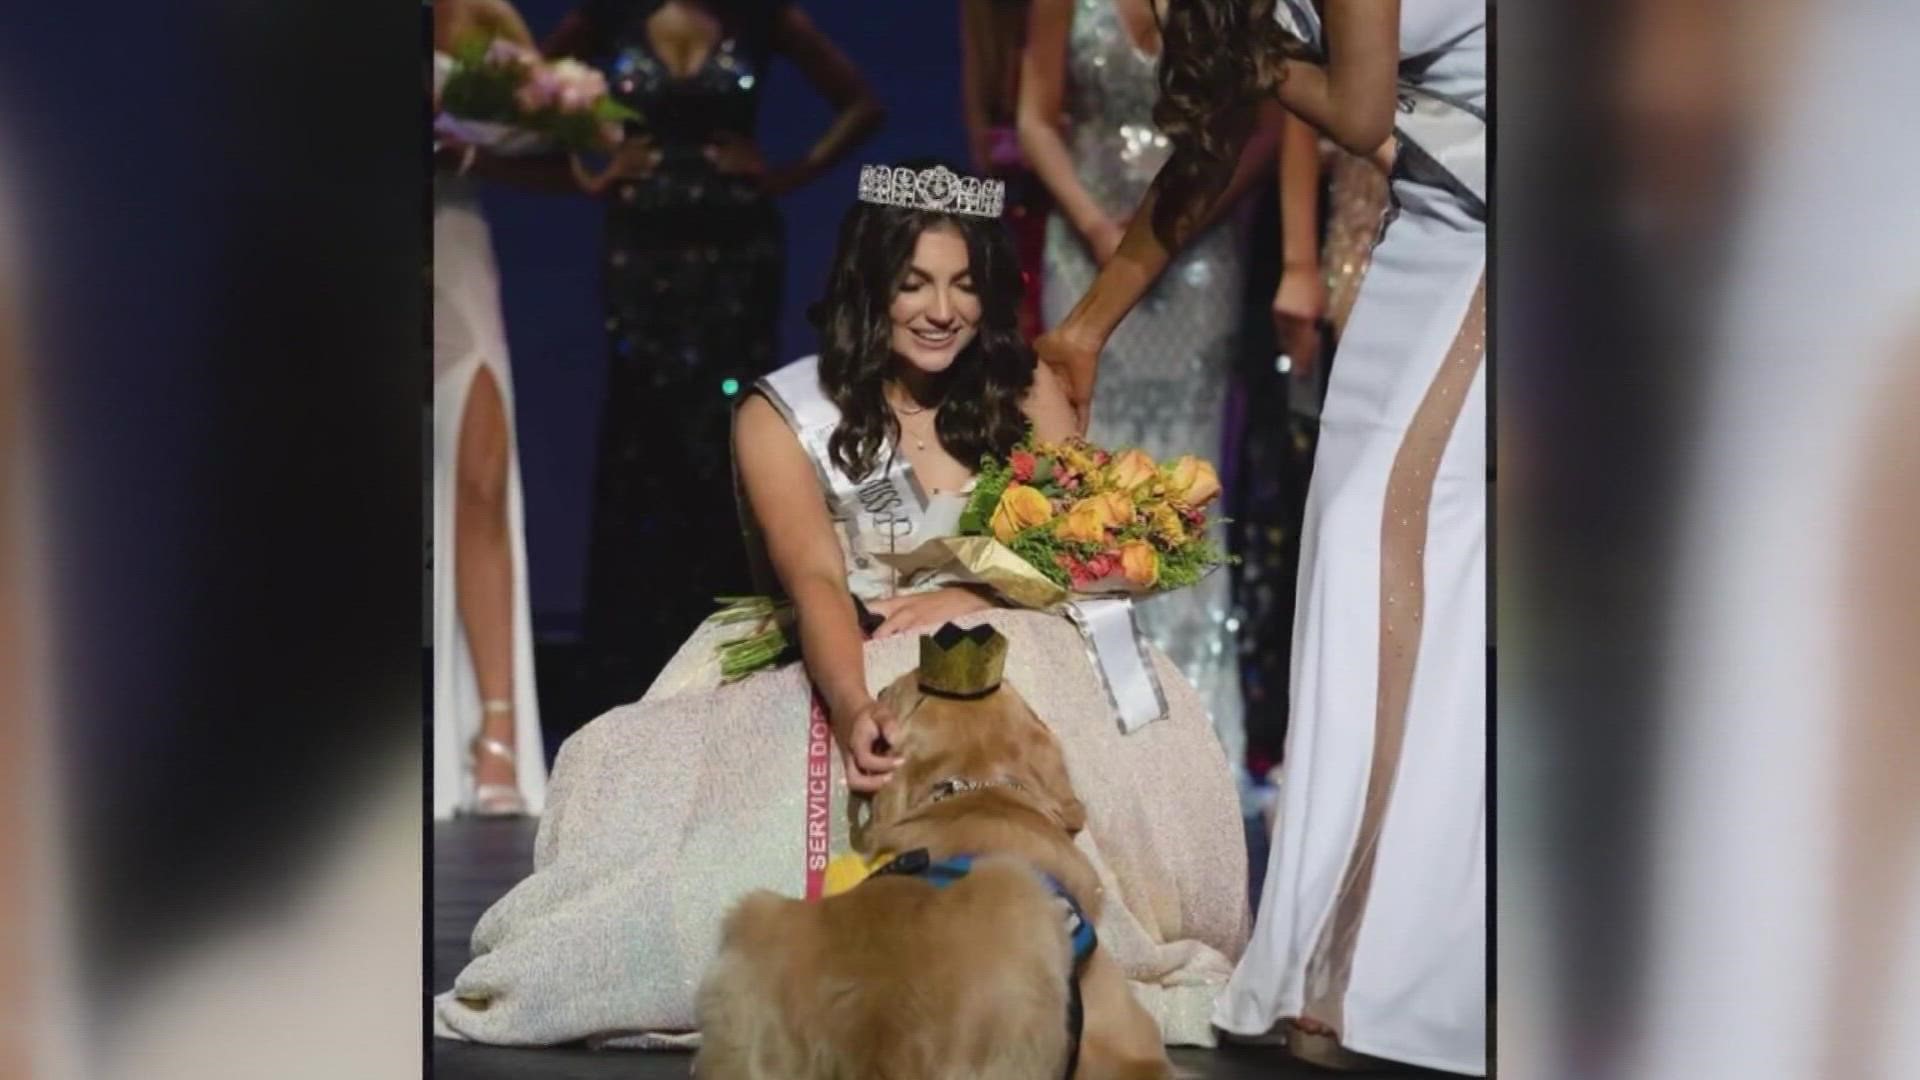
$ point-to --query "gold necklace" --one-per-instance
(901, 412)
(919, 440)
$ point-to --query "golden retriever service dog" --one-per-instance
(972, 953)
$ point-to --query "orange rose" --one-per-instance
(1117, 508)
(1020, 509)
(1085, 523)
(1130, 470)
(1167, 526)
(1077, 459)
(1140, 563)
(1192, 481)
(1108, 510)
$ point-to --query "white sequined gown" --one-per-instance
(665, 811)
(1164, 373)
(469, 337)
(1373, 916)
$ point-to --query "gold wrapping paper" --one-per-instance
(982, 560)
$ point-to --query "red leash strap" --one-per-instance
(819, 796)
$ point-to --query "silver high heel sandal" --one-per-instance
(494, 800)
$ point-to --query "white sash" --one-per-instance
(1119, 653)
(1443, 142)
(889, 513)
(885, 513)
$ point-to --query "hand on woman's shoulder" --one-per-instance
(1047, 407)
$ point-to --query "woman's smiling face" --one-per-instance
(935, 311)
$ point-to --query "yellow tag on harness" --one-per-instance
(846, 871)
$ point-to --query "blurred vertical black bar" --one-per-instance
(1596, 320)
(228, 211)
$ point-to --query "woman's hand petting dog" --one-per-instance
(868, 740)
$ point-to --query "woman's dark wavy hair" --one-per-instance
(1215, 56)
(980, 410)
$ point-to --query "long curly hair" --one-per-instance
(1216, 55)
(980, 410)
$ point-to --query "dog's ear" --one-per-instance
(1047, 771)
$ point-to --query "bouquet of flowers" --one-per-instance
(504, 98)
(771, 643)
(1051, 522)
(1057, 520)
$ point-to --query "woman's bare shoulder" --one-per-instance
(1047, 406)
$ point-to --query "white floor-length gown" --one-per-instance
(1373, 916)
(469, 336)
(1759, 914)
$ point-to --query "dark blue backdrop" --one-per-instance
(548, 247)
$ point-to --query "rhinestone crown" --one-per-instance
(937, 189)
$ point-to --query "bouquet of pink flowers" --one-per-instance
(506, 99)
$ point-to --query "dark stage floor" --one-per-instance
(475, 861)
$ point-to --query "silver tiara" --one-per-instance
(936, 189)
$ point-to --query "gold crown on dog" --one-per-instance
(962, 663)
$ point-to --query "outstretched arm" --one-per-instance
(1350, 99)
(785, 497)
(1071, 350)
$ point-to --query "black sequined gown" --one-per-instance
(693, 268)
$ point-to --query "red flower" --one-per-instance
(1080, 573)
(1103, 564)
(1071, 483)
(1023, 466)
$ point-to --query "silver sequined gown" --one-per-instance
(1163, 375)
